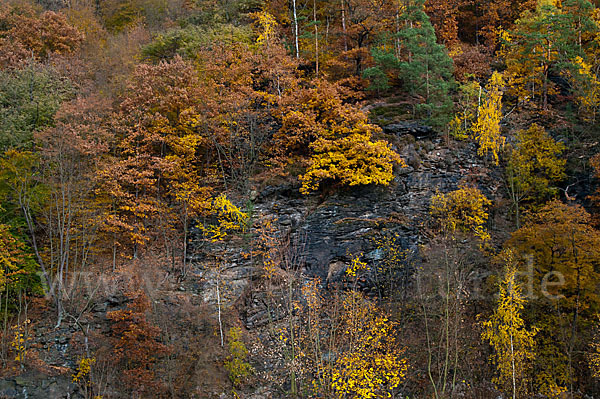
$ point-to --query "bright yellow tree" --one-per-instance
(487, 128)
(347, 343)
(227, 216)
(512, 342)
(534, 166)
(372, 365)
(463, 210)
(334, 138)
(352, 160)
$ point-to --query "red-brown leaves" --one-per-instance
(23, 34)
(137, 346)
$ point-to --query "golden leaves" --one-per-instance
(372, 365)
(267, 24)
(336, 137)
(513, 344)
(487, 128)
(463, 209)
(228, 218)
(353, 160)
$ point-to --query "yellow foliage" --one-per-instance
(267, 25)
(353, 160)
(83, 369)
(462, 209)
(268, 245)
(19, 342)
(228, 217)
(487, 128)
(587, 88)
(337, 138)
(467, 104)
(237, 366)
(559, 240)
(529, 51)
(372, 365)
(355, 266)
(12, 258)
(533, 166)
(513, 344)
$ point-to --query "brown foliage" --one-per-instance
(24, 34)
(473, 61)
(444, 18)
(500, 13)
(137, 347)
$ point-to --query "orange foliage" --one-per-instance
(159, 130)
(245, 86)
(444, 18)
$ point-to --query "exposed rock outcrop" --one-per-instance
(329, 231)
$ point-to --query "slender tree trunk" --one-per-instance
(29, 220)
(296, 29)
(428, 336)
(344, 33)
(575, 316)
(219, 307)
(293, 382)
(114, 252)
(512, 356)
(316, 38)
(185, 237)
(446, 320)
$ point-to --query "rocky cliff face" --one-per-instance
(325, 230)
(329, 230)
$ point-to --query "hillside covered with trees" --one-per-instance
(299, 199)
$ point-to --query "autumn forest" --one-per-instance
(299, 199)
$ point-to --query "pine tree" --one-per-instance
(544, 42)
(426, 68)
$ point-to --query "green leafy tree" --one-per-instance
(385, 64)
(29, 98)
(187, 42)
